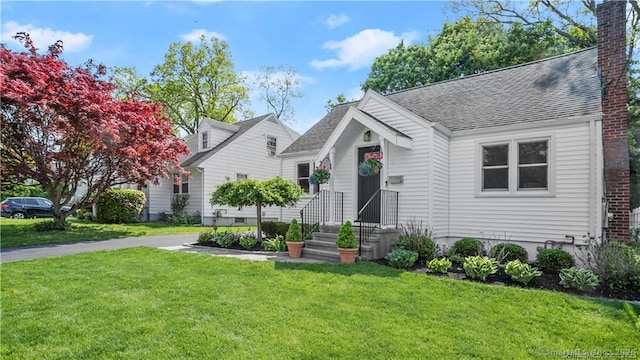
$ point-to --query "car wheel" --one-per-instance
(18, 215)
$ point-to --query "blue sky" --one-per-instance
(331, 45)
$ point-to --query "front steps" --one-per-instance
(323, 245)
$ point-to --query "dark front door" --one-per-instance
(367, 187)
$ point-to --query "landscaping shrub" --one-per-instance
(183, 218)
(294, 234)
(616, 264)
(271, 229)
(579, 279)
(467, 247)
(120, 206)
(248, 241)
(179, 203)
(402, 258)
(346, 238)
(553, 260)
(480, 267)
(508, 252)
(52, 226)
(441, 265)
(415, 237)
(521, 272)
(225, 239)
(206, 237)
(275, 244)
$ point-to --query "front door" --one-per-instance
(367, 187)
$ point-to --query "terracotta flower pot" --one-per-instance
(347, 256)
(295, 248)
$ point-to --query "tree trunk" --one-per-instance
(259, 220)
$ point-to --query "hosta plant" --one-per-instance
(480, 267)
(579, 279)
(401, 258)
(248, 241)
(441, 265)
(520, 272)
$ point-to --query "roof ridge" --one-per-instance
(466, 77)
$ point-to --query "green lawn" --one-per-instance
(22, 232)
(145, 303)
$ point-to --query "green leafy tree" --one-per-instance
(129, 83)
(634, 132)
(196, 81)
(250, 192)
(278, 86)
(401, 68)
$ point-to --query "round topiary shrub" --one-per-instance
(508, 252)
(467, 247)
(554, 260)
(346, 238)
(120, 206)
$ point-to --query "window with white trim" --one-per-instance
(181, 187)
(515, 166)
(242, 176)
(302, 172)
(271, 146)
(205, 140)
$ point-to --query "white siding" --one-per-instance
(159, 197)
(289, 166)
(440, 185)
(412, 164)
(245, 155)
(522, 218)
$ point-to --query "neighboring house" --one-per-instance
(516, 154)
(221, 151)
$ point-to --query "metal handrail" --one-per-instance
(387, 213)
(317, 211)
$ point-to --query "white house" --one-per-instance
(517, 154)
(221, 151)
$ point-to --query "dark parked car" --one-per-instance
(28, 207)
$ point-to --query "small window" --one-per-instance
(181, 187)
(303, 176)
(533, 165)
(495, 167)
(271, 146)
(240, 220)
(205, 140)
(242, 176)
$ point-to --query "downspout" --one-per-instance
(592, 179)
(430, 176)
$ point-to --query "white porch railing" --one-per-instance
(634, 217)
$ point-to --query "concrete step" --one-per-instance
(321, 245)
(323, 255)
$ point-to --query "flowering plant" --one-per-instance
(320, 175)
(371, 165)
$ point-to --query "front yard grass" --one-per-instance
(22, 232)
(145, 303)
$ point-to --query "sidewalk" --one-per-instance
(181, 242)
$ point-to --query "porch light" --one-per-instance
(367, 136)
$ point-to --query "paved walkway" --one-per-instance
(180, 242)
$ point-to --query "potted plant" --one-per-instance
(371, 165)
(347, 243)
(320, 175)
(293, 238)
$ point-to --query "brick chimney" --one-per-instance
(612, 62)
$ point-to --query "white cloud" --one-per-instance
(194, 36)
(333, 21)
(44, 37)
(360, 50)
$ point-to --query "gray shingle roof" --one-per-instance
(315, 137)
(243, 126)
(548, 89)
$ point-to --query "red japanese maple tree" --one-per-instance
(62, 127)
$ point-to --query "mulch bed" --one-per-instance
(546, 281)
